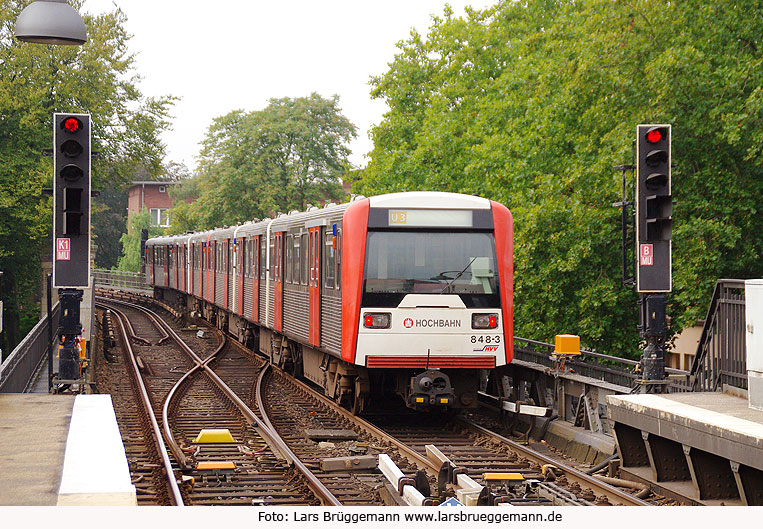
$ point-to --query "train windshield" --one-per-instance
(431, 262)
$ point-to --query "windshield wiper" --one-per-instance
(446, 287)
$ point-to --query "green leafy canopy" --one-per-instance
(532, 104)
(36, 81)
(254, 164)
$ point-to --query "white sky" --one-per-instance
(225, 55)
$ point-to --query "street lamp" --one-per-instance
(51, 22)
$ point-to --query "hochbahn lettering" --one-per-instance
(438, 323)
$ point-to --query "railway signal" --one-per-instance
(71, 200)
(654, 209)
(654, 230)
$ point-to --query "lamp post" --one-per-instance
(51, 22)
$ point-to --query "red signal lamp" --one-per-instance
(71, 125)
(654, 135)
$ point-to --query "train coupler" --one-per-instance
(431, 388)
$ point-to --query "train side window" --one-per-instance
(242, 248)
(328, 260)
(289, 257)
(255, 256)
(263, 254)
(277, 251)
(272, 244)
(295, 264)
(339, 259)
(304, 253)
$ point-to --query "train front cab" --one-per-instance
(428, 294)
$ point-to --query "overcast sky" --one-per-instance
(225, 55)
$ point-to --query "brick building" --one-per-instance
(154, 196)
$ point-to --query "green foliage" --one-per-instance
(292, 153)
(532, 104)
(36, 81)
(129, 261)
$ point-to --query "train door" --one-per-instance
(256, 278)
(315, 285)
(176, 264)
(232, 269)
(150, 264)
(242, 262)
(278, 280)
(166, 255)
(208, 270)
(183, 271)
(226, 269)
(191, 267)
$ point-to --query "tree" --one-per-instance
(129, 261)
(35, 81)
(532, 104)
(253, 164)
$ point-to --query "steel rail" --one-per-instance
(570, 472)
(276, 443)
(314, 483)
(408, 452)
(179, 455)
(175, 495)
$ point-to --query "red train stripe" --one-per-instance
(354, 229)
(441, 362)
(504, 247)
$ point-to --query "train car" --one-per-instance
(408, 294)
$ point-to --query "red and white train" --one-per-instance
(405, 293)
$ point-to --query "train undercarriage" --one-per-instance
(354, 387)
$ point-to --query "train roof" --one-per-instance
(429, 199)
(255, 227)
(315, 216)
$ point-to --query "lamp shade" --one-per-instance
(51, 22)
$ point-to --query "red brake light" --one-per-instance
(493, 322)
(653, 136)
(369, 321)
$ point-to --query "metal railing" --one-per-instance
(18, 370)
(611, 369)
(118, 279)
(721, 357)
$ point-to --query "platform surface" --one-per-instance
(33, 434)
(62, 450)
(95, 467)
(715, 422)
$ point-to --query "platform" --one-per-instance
(703, 448)
(61, 450)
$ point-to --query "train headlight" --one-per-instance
(484, 321)
(377, 320)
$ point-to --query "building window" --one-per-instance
(162, 189)
(160, 217)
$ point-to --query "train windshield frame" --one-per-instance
(431, 261)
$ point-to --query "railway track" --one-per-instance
(186, 396)
(293, 409)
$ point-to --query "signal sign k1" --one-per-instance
(646, 255)
(63, 249)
